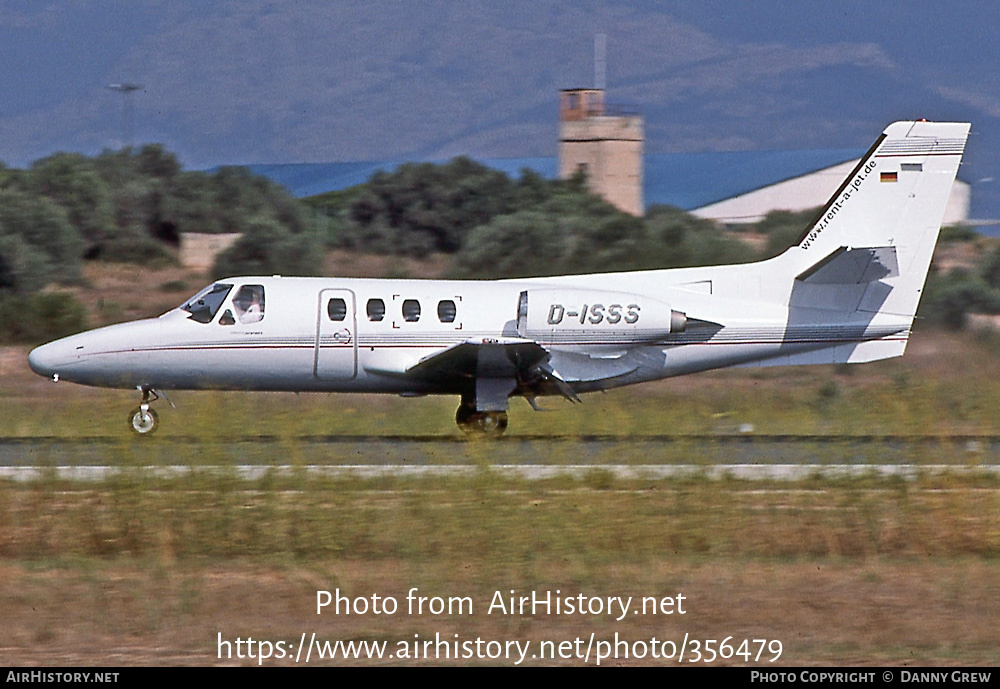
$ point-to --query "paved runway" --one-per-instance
(745, 457)
(746, 472)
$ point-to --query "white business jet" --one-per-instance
(846, 293)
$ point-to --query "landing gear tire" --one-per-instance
(491, 423)
(143, 421)
(481, 424)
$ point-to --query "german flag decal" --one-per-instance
(888, 177)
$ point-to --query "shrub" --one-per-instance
(40, 317)
(269, 248)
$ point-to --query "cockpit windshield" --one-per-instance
(204, 305)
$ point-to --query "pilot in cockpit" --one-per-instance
(249, 303)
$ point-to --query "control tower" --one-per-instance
(605, 146)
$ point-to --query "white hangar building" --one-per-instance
(806, 191)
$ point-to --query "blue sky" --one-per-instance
(310, 81)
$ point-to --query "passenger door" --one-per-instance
(336, 335)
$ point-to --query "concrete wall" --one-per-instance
(609, 150)
(198, 251)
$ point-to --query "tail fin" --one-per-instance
(881, 225)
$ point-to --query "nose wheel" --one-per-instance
(143, 420)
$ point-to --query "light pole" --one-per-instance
(127, 112)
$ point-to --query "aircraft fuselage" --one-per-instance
(356, 335)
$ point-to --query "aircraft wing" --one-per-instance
(491, 358)
(487, 358)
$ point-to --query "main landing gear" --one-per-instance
(144, 420)
(482, 424)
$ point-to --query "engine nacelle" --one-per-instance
(591, 317)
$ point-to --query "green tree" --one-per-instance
(949, 297)
(675, 239)
(269, 248)
(72, 181)
(23, 268)
(40, 245)
(422, 207)
(40, 317)
(142, 183)
(783, 229)
(990, 268)
(525, 243)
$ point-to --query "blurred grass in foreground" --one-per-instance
(589, 522)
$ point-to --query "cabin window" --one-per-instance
(249, 303)
(204, 305)
(336, 309)
(411, 310)
(376, 309)
(447, 311)
(227, 318)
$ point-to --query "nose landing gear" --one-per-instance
(142, 419)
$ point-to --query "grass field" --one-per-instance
(145, 570)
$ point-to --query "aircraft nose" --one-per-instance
(45, 360)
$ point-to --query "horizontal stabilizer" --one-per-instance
(853, 267)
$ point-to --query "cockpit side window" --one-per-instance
(249, 303)
(204, 305)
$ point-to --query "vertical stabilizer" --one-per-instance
(888, 209)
